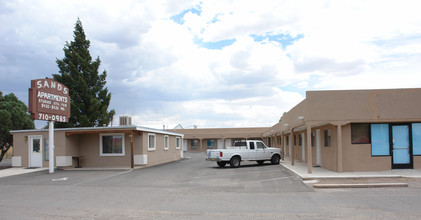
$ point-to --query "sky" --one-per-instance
(215, 63)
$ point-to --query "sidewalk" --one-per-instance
(17, 171)
(300, 169)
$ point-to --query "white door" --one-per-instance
(35, 151)
(228, 143)
(220, 144)
(184, 145)
(303, 147)
(318, 149)
(285, 145)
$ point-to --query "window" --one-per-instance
(112, 144)
(328, 138)
(36, 145)
(312, 139)
(240, 143)
(360, 133)
(251, 145)
(177, 143)
(416, 138)
(300, 140)
(151, 142)
(260, 145)
(211, 143)
(194, 144)
(166, 142)
(295, 140)
(380, 140)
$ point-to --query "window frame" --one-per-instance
(353, 126)
(415, 145)
(166, 142)
(123, 145)
(300, 140)
(327, 136)
(194, 146)
(373, 144)
(177, 143)
(313, 136)
(210, 143)
(154, 142)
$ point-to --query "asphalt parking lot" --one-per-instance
(191, 174)
(194, 189)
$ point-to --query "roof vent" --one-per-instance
(125, 120)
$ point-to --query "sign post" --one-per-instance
(51, 147)
(49, 100)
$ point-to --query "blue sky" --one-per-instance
(216, 63)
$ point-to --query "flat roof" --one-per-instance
(87, 129)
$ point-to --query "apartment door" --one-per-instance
(228, 143)
(303, 147)
(220, 144)
(185, 145)
(35, 151)
(401, 147)
(318, 149)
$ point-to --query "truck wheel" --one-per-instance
(235, 162)
(222, 163)
(260, 162)
(275, 159)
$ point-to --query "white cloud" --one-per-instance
(161, 71)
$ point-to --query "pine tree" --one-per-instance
(89, 98)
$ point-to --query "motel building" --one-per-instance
(125, 146)
(342, 131)
(352, 130)
(202, 139)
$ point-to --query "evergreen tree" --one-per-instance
(13, 116)
(89, 98)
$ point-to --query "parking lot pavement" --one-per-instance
(193, 174)
(192, 189)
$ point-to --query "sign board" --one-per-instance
(49, 100)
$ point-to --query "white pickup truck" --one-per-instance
(249, 150)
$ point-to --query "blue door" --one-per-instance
(401, 153)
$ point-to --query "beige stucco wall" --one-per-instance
(417, 162)
(329, 154)
(205, 134)
(21, 146)
(160, 155)
(89, 149)
(327, 109)
(364, 105)
(86, 146)
(357, 157)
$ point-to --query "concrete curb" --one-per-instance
(360, 185)
(351, 177)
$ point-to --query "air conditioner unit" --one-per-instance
(125, 120)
